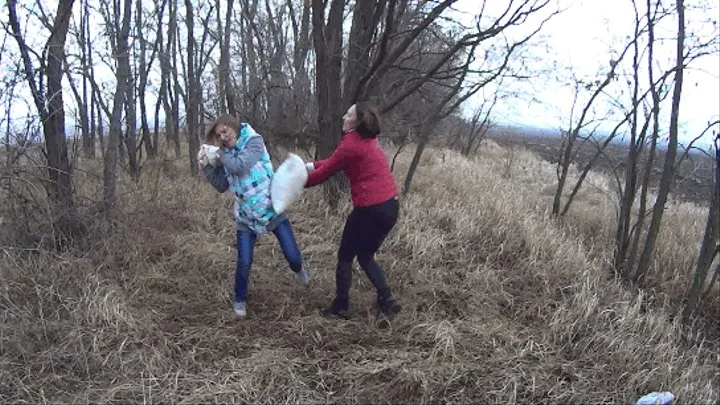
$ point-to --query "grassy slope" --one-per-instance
(501, 304)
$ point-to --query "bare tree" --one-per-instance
(302, 96)
(122, 51)
(449, 103)
(669, 166)
(252, 52)
(144, 67)
(163, 58)
(96, 123)
(49, 103)
(170, 87)
(191, 71)
(130, 136)
(277, 94)
(480, 124)
(192, 102)
(710, 245)
(81, 98)
(327, 40)
(571, 137)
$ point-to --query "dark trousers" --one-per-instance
(365, 230)
(245, 247)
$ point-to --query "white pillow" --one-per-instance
(288, 182)
(212, 153)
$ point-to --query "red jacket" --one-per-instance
(364, 164)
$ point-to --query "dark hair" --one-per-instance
(368, 119)
(225, 119)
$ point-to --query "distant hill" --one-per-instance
(621, 139)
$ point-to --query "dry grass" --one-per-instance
(501, 304)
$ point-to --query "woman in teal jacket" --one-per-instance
(245, 168)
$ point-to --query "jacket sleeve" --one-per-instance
(318, 163)
(239, 161)
(326, 168)
(216, 177)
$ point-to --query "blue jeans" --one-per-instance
(245, 247)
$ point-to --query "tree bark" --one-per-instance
(130, 137)
(327, 40)
(173, 38)
(191, 107)
(122, 53)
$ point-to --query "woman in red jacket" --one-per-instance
(376, 208)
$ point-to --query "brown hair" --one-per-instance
(225, 119)
(368, 119)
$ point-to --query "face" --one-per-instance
(350, 119)
(226, 135)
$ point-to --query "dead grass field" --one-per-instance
(500, 303)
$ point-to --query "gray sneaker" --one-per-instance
(303, 277)
(240, 309)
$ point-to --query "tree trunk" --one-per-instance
(302, 94)
(710, 244)
(277, 92)
(87, 140)
(163, 96)
(100, 125)
(424, 138)
(192, 102)
(357, 64)
(399, 150)
(143, 70)
(54, 124)
(93, 126)
(327, 40)
(80, 99)
(252, 110)
(173, 39)
(93, 100)
(131, 126)
(123, 74)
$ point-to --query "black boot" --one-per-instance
(338, 308)
(387, 305)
